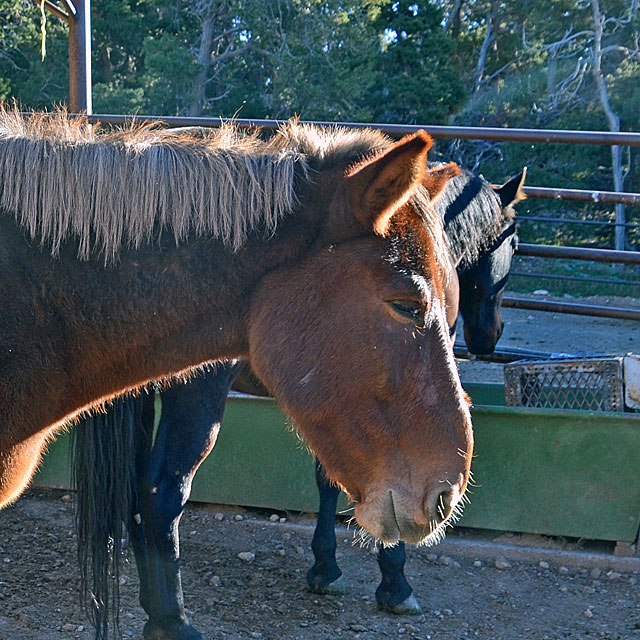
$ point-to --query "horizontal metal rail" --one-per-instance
(498, 134)
(502, 354)
(554, 276)
(578, 253)
(600, 223)
(581, 195)
(619, 313)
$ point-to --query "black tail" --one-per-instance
(104, 462)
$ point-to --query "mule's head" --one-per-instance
(482, 285)
(353, 342)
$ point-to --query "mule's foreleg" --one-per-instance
(325, 575)
(190, 419)
(18, 463)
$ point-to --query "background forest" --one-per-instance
(561, 64)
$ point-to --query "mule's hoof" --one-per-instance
(408, 607)
(335, 588)
(170, 631)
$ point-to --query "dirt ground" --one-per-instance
(462, 596)
(552, 596)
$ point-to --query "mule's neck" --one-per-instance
(94, 331)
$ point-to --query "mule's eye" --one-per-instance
(407, 308)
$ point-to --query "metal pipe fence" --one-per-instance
(599, 223)
(579, 253)
(496, 134)
(620, 313)
(582, 195)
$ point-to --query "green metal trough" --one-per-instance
(555, 472)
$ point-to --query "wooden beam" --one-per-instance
(80, 58)
(55, 9)
(70, 7)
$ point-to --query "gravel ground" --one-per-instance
(463, 595)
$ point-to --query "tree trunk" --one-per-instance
(204, 60)
(454, 21)
(612, 119)
(105, 63)
(552, 68)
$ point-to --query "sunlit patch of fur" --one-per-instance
(363, 539)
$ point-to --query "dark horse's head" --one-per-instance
(480, 222)
(353, 342)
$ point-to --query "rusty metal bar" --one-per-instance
(554, 276)
(578, 253)
(80, 58)
(502, 354)
(619, 313)
(444, 132)
(600, 223)
(55, 9)
(580, 195)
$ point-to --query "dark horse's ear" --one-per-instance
(381, 185)
(436, 179)
(511, 192)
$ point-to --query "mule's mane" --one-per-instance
(473, 216)
(64, 179)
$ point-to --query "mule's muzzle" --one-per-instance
(391, 516)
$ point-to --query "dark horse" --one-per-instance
(481, 228)
(132, 256)
(480, 224)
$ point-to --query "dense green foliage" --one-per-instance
(466, 62)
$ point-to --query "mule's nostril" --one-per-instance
(444, 505)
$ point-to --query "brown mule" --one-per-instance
(134, 256)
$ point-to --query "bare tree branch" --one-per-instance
(489, 39)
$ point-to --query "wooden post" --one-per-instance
(80, 58)
(78, 17)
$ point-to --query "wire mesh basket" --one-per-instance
(587, 383)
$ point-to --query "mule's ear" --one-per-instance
(436, 179)
(378, 187)
(511, 192)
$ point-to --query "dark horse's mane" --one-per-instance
(66, 179)
(482, 220)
